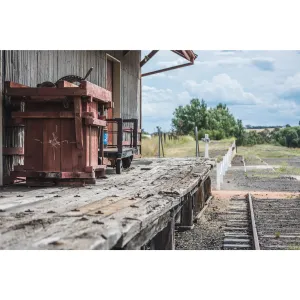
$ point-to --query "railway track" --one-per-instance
(266, 224)
(240, 231)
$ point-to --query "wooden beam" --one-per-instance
(148, 57)
(65, 84)
(95, 122)
(167, 69)
(78, 122)
(46, 91)
(13, 151)
(86, 88)
(95, 91)
(53, 175)
(125, 52)
(11, 84)
(95, 168)
(187, 214)
(165, 240)
(186, 55)
(43, 115)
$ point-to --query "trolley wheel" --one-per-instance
(119, 166)
(126, 162)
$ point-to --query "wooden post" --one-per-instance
(187, 213)
(165, 240)
(162, 145)
(206, 146)
(196, 138)
(158, 132)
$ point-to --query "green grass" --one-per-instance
(268, 151)
(294, 247)
(184, 146)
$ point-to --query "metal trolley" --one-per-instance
(122, 143)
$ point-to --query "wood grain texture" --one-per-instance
(122, 210)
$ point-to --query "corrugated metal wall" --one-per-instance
(33, 67)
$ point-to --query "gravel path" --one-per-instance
(208, 233)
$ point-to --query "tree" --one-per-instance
(191, 115)
(291, 137)
(240, 133)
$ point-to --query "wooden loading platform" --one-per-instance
(138, 209)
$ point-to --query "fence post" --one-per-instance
(162, 144)
(206, 146)
(196, 138)
(158, 131)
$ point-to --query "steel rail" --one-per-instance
(253, 225)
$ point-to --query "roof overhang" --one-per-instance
(189, 55)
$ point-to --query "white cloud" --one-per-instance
(262, 63)
(158, 75)
(172, 63)
(222, 88)
(227, 52)
(291, 87)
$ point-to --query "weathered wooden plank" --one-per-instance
(149, 232)
(95, 122)
(96, 91)
(65, 84)
(52, 224)
(34, 144)
(43, 115)
(13, 151)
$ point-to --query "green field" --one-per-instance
(183, 147)
(268, 151)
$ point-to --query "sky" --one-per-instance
(259, 87)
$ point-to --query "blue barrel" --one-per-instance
(105, 138)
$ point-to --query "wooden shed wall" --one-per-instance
(36, 66)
